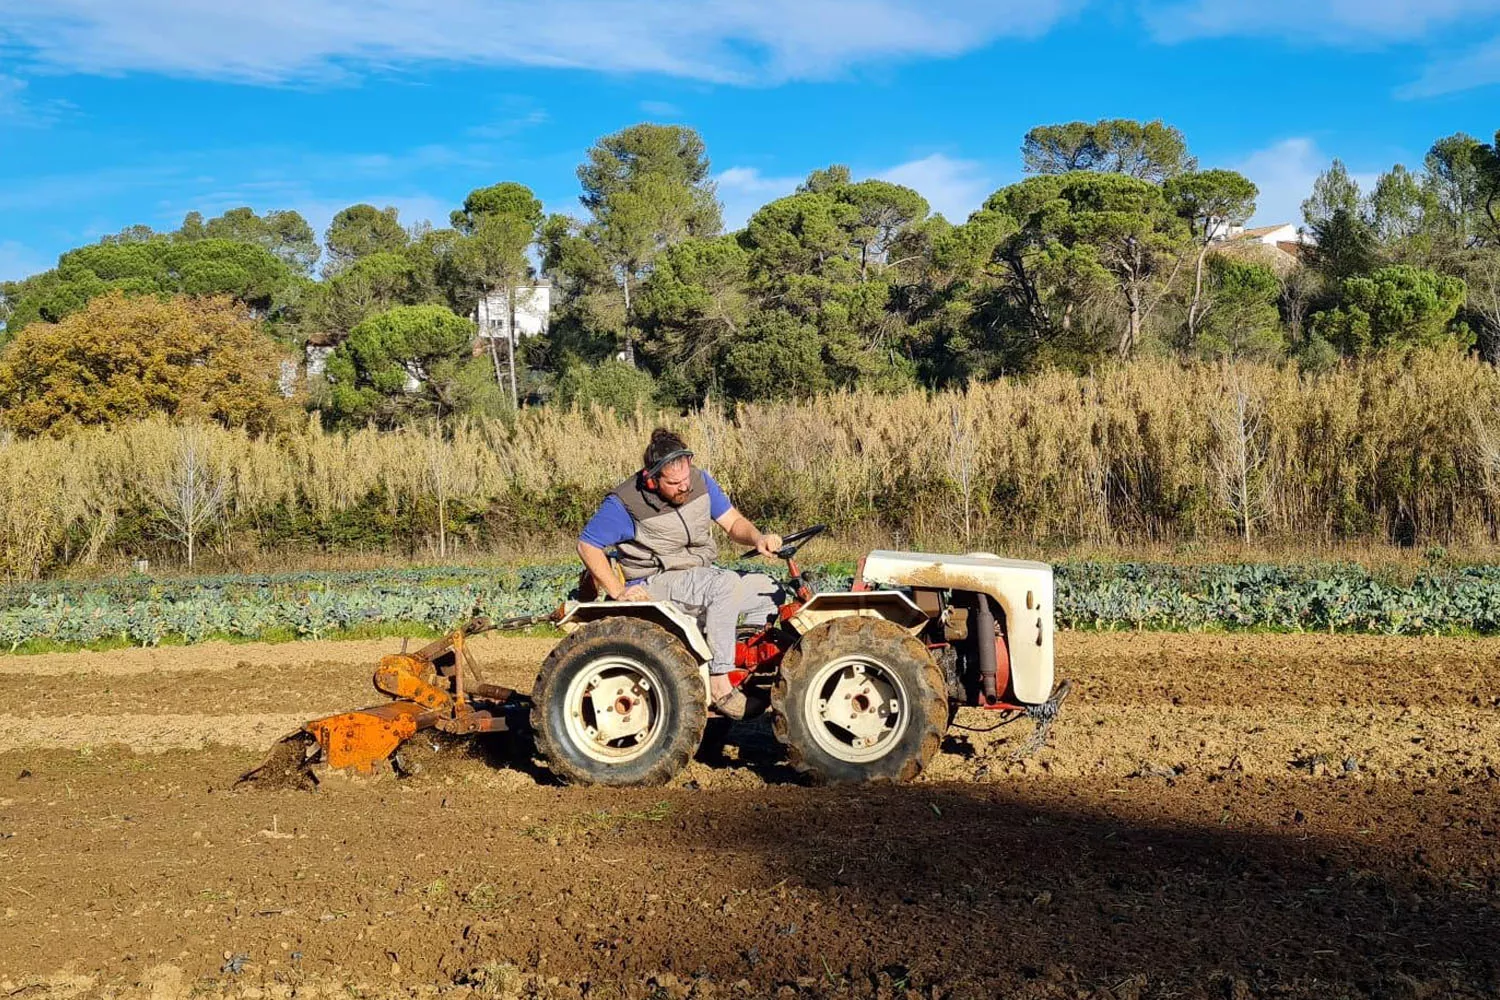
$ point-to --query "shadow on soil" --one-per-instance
(1038, 890)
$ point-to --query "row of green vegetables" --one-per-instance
(1089, 595)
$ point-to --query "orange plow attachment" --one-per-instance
(437, 686)
(361, 739)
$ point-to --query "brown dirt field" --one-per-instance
(1216, 816)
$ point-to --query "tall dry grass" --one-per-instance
(1393, 449)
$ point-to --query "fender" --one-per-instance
(669, 616)
(892, 605)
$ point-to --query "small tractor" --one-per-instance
(861, 684)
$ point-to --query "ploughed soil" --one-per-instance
(1213, 816)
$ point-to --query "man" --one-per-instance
(660, 522)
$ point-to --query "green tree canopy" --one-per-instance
(693, 307)
(1240, 318)
(1462, 177)
(370, 284)
(646, 188)
(1210, 201)
(1397, 306)
(612, 384)
(285, 234)
(1333, 191)
(1060, 239)
(506, 198)
(407, 362)
(1150, 151)
(1344, 246)
(824, 257)
(361, 230)
(245, 271)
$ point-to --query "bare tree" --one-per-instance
(439, 478)
(963, 447)
(188, 493)
(1240, 453)
(449, 468)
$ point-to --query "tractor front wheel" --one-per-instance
(618, 702)
(859, 699)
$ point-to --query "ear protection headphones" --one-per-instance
(648, 475)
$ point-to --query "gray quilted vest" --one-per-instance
(666, 537)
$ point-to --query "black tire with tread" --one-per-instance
(896, 649)
(686, 710)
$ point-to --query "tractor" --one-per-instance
(861, 683)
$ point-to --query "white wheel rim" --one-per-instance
(612, 710)
(857, 709)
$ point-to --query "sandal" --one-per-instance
(738, 706)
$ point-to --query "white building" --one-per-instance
(533, 310)
(1281, 247)
(1282, 232)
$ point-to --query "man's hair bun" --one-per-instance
(663, 443)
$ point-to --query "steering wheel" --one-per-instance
(791, 543)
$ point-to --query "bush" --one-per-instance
(1398, 306)
(125, 358)
(612, 384)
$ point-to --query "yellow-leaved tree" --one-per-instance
(123, 358)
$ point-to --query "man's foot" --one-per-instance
(733, 705)
(737, 705)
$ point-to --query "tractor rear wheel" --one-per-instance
(618, 702)
(860, 699)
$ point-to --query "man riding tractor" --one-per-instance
(660, 522)
(861, 682)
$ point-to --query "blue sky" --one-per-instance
(115, 112)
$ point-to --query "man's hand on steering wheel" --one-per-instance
(768, 545)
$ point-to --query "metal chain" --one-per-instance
(1036, 741)
(1045, 715)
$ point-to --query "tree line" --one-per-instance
(1111, 249)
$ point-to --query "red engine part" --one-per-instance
(761, 651)
(1002, 679)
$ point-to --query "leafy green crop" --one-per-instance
(146, 612)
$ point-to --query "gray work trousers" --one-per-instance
(719, 598)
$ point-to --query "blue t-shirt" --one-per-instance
(612, 524)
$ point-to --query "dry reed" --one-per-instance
(1394, 449)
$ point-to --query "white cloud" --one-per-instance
(19, 261)
(661, 109)
(1479, 67)
(1337, 22)
(11, 91)
(17, 106)
(742, 190)
(1349, 24)
(274, 41)
(1285, 173)
(505, 128)
(952, 187)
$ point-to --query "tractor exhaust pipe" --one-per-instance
(984, 638)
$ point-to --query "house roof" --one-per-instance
(1280, 257)
(1259, 231)
(1293, 247)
